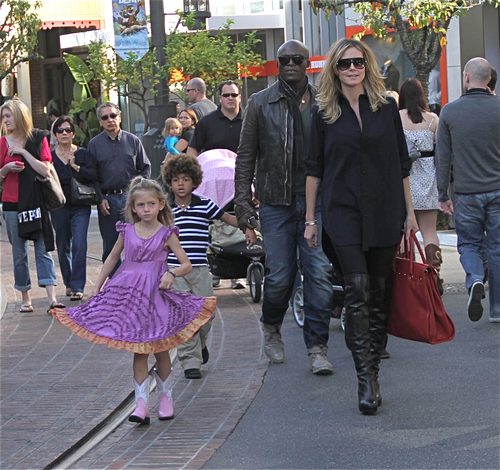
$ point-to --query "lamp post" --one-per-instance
(200, 9)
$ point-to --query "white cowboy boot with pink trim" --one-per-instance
(141, 412)
(166, 406)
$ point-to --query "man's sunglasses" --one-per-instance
(232, 95)
(296, 59)
(345, 64)
(65, 130)
(107, 116)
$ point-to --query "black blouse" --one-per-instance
(86, 174)
(362, 193)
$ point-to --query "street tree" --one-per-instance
(19, 25)
(421, 25)
(214, 57)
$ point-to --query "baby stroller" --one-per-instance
(228, 256)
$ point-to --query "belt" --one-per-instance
(113, 192)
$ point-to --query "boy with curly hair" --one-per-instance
(193, 214)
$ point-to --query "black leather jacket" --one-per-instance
(265, 151)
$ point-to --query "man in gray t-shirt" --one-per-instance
(196, 94)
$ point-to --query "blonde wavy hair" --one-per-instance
(22, 117)
(140, 184)
(330, 89)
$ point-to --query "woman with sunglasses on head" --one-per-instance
(71, 222)
(25, 156)
(358, 151)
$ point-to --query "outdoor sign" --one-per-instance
(130, 26)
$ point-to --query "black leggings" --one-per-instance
(376, 262)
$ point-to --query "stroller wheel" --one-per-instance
(298, 306)
(255, 282)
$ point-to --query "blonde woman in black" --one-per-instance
(358, 152)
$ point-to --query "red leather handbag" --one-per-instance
(417, 311)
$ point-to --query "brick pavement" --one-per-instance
(56, 387)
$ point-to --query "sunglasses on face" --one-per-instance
(190, 89)
(232, 95)
(345, 64)
(64, 130)
(107, 116)
(296, 59)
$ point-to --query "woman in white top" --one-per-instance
(420, 127)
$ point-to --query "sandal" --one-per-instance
(55, 305)
(76, 296)
(26, 308)
(69, 292)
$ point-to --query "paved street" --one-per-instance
(440, 402)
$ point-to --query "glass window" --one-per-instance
(257, 6)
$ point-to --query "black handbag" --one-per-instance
(82, 194)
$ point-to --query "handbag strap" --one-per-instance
(416, 243)
(409, 249)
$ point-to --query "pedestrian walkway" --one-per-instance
(55, 388)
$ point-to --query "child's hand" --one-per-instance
(167, 281)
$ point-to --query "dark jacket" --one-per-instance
(265, 151)
(33, 216)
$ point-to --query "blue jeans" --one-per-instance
(477, 222)
(71, 225)
(107, 224)
(45, 269)
(283, 234)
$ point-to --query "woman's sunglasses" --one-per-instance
(65, 130)
(345, 64)
(296, 59)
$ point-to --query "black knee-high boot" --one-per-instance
(357, 338)
(380, 290)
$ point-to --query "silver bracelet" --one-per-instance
(310, 223)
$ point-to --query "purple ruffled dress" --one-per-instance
(131, 312)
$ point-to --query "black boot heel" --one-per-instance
(367, 401)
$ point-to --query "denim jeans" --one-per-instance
(107, 224)
(71, 225)
(45, 269)
(283, 234)
(477, 222)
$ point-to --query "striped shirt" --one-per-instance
(193, 223)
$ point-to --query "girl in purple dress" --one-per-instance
(136, 310)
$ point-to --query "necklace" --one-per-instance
(183, 206)
(65, 154)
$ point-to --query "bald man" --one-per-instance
(196, 92)
(468, 139)
(274, 139)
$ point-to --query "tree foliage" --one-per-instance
(83, 104)
(212, 57)
(421, 25)
(135, 79)
(19, 24)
